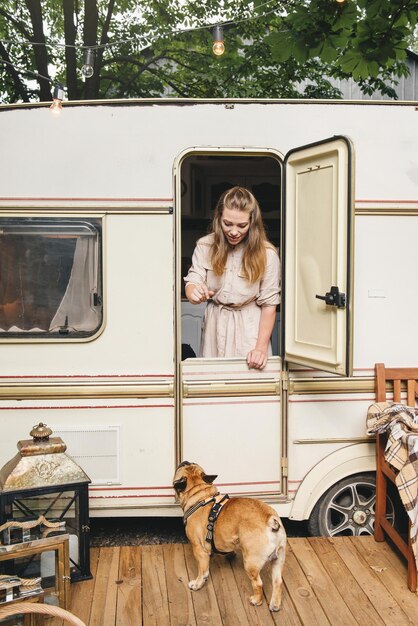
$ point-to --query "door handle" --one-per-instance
(334, 298)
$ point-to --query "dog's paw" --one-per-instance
(256, 600)
(195, 585)
(274, 607)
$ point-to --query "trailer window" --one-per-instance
(50, 277)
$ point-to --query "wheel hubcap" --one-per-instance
(360, 517)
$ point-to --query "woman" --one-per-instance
(237, 270)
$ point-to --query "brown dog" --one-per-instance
(243, 524)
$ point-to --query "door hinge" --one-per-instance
(285, 380)
(284, 465)
(287, 383)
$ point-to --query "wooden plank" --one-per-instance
(307, 606)
(227, 594)
(397, 390)
(380, 382)
(382, 600)
(401, 373)
(255, 614)
(204, 601)
(398, 563)
(379, 561)
(155, 609)
(394, 556)
(356, 600)
(328, 595)
(318, 572)
(104, 596)
(82, 592)
(129, 597)
(410, 389)
(179, 595)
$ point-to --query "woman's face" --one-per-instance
(235, 225)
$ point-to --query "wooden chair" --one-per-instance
(40, 609)
(396, 379)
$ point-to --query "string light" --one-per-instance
(218, 47)
(87, 68)
(57, 98)
(175, 31)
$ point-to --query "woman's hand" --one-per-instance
(257, 359)
(198, 293)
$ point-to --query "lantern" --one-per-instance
(42, 481)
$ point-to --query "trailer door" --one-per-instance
(318, 255)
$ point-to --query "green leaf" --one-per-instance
(328, 53)
(300, 52)
(281, 45)
(402, 21)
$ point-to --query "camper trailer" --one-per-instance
(100, 209)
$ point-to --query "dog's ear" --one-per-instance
(209, 478)
(180, 484)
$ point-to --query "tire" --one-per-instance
(347, 508)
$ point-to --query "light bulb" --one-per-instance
(218, 47)
(56, 106)
(87, 68)
(57, 98)
(87, 71)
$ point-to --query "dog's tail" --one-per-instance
(274, 523)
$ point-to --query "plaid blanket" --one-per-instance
(401, 424)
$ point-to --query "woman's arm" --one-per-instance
(257, 357)
(196, 289)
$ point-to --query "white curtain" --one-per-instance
(77, 307)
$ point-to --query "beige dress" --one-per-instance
(232, 317)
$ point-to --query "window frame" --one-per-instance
(95, 222)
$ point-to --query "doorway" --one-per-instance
(204, 177)
(219, 398)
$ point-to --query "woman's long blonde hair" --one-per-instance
(254, 258)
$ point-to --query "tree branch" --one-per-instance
(70, 32)
(40, 51)
(91, 22)
(18, 25)
(20, 87)
(133, 61)
(103, 40)
(169, 82)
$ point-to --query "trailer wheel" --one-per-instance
(347, 508)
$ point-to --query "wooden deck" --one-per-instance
(340, 581)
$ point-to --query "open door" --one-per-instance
(318, 255)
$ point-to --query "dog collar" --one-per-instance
(197, 506)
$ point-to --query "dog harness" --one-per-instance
(213, 516)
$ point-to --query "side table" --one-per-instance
(57, 543)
